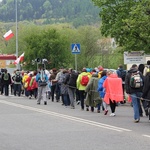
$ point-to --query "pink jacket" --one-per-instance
(113, 87)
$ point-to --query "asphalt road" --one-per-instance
(24, 125)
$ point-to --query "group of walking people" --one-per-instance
(96, 88)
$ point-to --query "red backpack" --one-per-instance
(84, 80)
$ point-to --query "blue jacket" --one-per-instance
(38, 77)
(100, 88)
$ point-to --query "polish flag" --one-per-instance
(22, 57)
(19, 59)
(8, 35)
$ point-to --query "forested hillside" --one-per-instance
(79, 12)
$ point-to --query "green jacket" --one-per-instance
(92, 97)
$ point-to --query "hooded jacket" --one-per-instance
(91, 89)
(129, 89)
(78, 82)
(113, 86)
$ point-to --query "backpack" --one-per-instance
(84, 80)
(135, 80)
(73, 79)
(6, 76)
(122, 74)
(18, 78)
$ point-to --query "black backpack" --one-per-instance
(72, 79)
(18, 78)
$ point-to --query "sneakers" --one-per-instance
(87, 109)
(72, 107)
(45, 103)
(105, 112)
(98, 111)
(112, 114)
(78, 102)
(136, 121)
(92, 109)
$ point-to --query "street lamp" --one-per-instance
(16, 32)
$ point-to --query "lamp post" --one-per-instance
(16, 32)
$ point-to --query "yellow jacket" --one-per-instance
(24, 78)
(79, 85)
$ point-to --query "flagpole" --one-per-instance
(16, 32)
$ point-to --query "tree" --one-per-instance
(127, 21)
(48, 9)
(88, 40)
(47, 44)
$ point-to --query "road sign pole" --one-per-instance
(76, 62)
(75, 50)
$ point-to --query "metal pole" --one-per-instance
(16, 33)
(76, 62)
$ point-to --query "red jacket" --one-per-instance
(34, 84)
(28, 81)
(113, 89)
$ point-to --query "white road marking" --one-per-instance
(146, 135)
(93, 123)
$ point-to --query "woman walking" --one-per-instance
(114, 91)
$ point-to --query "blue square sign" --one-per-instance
(75, 48)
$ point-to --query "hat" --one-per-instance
(100, 68)
(88, 69)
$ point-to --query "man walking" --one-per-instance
(41, 79)
(17, 78)
(82, 82)
(71, 79)
(134, 85)
(6, 81)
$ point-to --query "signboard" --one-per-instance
(75, 48)
(134, 57)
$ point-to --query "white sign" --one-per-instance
(134, 57)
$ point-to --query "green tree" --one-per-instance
(88, 40)
(127, 21)
(48, 9)
(47, 44)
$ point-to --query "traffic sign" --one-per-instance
(75, 48)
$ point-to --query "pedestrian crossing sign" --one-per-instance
(75, 48)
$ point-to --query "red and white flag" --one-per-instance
(19, 59)
(8, 35)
